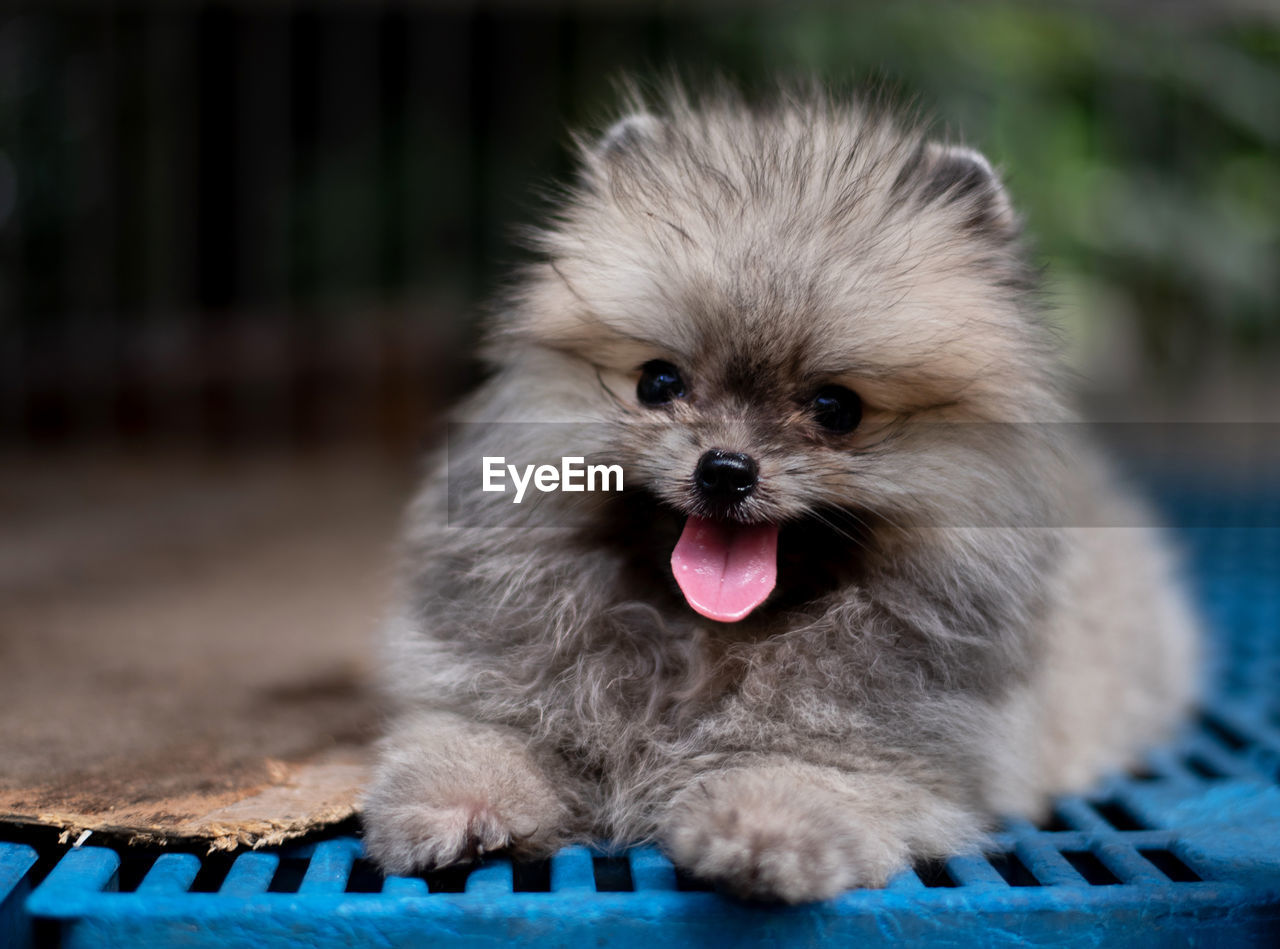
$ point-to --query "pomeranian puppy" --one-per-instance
(864, 588)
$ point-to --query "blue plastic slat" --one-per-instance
(16, 862)
(1077, 812)
(493, 878)
(1047, 864)
(906, 881)
(572, 871)
(404, 886)
(1222, 761)
(1014, 829)
(1167, 763)
(971, 870)
(171, 873)
(73, 886)
(330, 866)
(250, 875)
(83, 870)
(1251, 723)
(1127, 864)
(651, 870)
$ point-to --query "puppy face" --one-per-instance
(798, 317)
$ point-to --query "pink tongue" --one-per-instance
(725, 570)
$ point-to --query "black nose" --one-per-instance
(726, 475)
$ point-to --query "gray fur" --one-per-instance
(944, 644)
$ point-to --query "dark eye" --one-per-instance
(660, 382)
(837, 409)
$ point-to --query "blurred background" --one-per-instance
(272, 224)
(244, 248)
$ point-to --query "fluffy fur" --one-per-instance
(953, 634)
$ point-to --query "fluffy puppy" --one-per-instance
(865, 586)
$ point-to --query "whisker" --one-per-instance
(854, 539)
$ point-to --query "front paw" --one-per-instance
(762, 834)
(448, 791)
(415, 835)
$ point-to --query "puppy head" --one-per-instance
(793, 313)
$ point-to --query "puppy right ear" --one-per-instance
(963, 176)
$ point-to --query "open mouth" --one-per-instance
(724, 569)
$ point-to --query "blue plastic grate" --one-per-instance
(1185, 851)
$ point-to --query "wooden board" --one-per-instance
(185, 649)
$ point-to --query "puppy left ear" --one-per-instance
(627, 134)
(962, 176)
